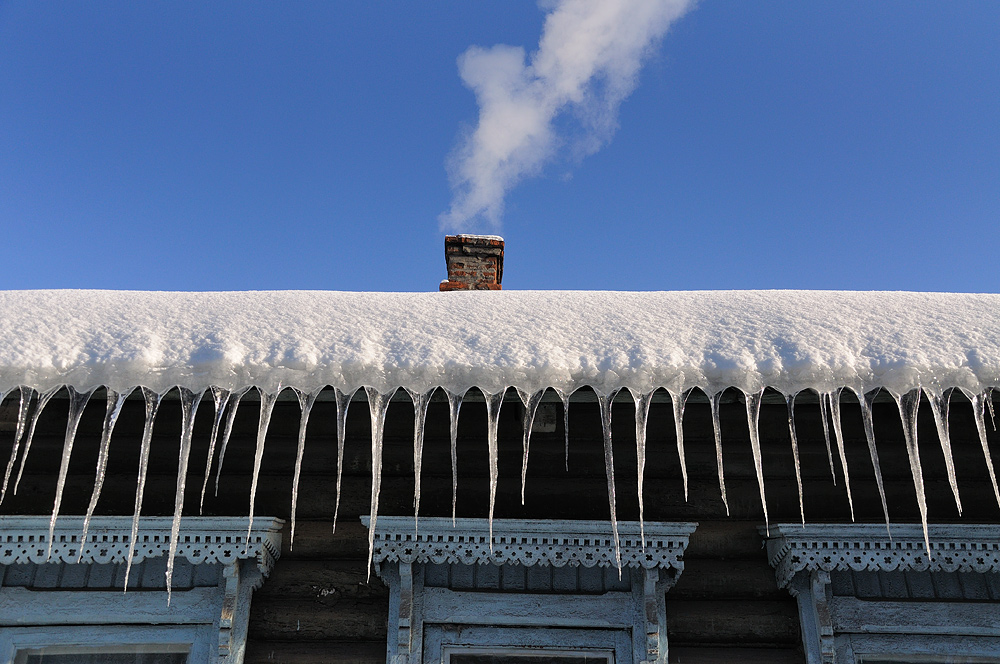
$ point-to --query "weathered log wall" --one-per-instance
(319, 603)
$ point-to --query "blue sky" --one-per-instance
(263, 145)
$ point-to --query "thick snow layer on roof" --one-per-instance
(789, 340)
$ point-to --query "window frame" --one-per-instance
(15, 642)
(211, 620)
(851, 630)
(523, 617)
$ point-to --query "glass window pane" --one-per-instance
(108, 658)
(529, 659)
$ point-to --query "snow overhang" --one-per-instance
(532, 340)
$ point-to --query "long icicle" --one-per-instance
(978, 408)
(826, 434)
(115, 402)
(605, 401)
(530, 402)
(343, 403)
(153, 401)
(22, 416)
(838, 432)
(714, 400)
(866, 400)
(77, 404)
(454, 406)
(753, 400)
(678, 402)
(43, 401)
(14, 445)
(220, 397)
(189, 409)
(940, 405)
(235, 404)
(420, 403)
(642, 403)
(378, 404)
(908, 405)
(564, 397)
(267, 402)
(790, 405)
(493, 404)
(306, 402)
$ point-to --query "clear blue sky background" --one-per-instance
(273, 145)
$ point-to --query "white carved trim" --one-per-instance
(223, 540)
(792, 548)
(529, 542)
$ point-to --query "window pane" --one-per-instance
(109, 658)
(529, 659)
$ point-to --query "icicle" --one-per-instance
(235, 399)
(714, 401)
(306, 402)
(152, 407)
(908, 405)
(642, 402)
(13, 447)
(43, 401)
(115, 403)
(753, 417)
(493, 404)
(826, 434)
(420, 403)
(378, 404)
(343, 403)
(978, 408)
(834, 399)
(565, 403)
(678, 401)
(189, 408)
(866, 400)
(77, 404)
(790, 404)
(22, 417)
(454, 405)
(989, 405)
(267, 402)
(605, 401)
(530, 402)
(220, 397)
(940, 405)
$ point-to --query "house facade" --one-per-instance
(486, 477)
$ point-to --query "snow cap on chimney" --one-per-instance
(475, 262)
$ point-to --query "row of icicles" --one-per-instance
(226, 403)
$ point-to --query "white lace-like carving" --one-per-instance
(24, 539)
(954, 548)
(528, 543)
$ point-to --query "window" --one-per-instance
(68, 606)
(108, 645)
(538, 592)
(864, 597)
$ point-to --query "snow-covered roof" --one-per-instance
(788, 340)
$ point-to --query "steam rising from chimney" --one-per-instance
(587, 63)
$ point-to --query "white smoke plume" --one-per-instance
(587, 63)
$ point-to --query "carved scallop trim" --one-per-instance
(954, 548)
(528, 543)
(24, 539)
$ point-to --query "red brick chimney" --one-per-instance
(475, 262)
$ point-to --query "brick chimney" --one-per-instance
(475, 262)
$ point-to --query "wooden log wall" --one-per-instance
(320, 605)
